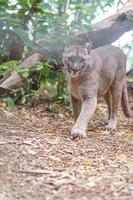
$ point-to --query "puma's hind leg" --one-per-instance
(116, 92)
(108, 100)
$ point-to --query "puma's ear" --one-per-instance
(88, 46)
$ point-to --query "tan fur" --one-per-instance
(104, 74)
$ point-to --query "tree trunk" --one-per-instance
(103, 32)
(15, 47)
(66, 5)
(77, 14)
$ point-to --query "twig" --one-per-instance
(36, 171)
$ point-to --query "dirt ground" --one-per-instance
(39, 160)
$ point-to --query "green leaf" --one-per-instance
(79, 6)
(21, 32)
(25, 74)
(44, 6)
(4, 18)
(39, 67)
(10, 103)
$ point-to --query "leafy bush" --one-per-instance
(39, 78)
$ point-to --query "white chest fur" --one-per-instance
(73, 88)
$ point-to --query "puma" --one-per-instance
(92, 74)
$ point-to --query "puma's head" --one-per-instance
(76, 59)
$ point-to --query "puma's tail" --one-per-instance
(125, 102)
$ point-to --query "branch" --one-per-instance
(66, 5)
(110, 29)
(77, 13)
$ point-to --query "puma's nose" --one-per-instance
(74, 70)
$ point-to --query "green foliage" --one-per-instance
(31, 21)
(7, 67)
(10, 103)
(40, 77)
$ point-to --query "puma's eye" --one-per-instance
(72, 58)
(82, 59)
(68, 59)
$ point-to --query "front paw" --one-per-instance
(75, 132)
(112, 125)
(111, 128)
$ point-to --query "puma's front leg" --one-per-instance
(87, 110)
(76, 105)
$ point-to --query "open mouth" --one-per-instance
(74, 74)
